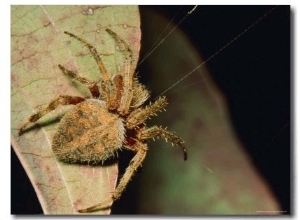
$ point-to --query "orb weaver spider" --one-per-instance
(112, 118)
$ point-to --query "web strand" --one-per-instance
(217, 52)
(159, 38)
(173, 29)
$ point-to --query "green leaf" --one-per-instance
(38, 45)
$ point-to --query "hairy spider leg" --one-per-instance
(61, 100)
(93, 50)
(92, 86)
(139, 116)
(135, 162)
(128, 74)
(156, 131)
(107, 85)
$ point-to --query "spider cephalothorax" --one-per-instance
(112, 118)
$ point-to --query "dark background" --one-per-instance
(257, 87)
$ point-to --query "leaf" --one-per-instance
(38, 45)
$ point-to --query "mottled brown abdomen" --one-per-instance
(88, 133)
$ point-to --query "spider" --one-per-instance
(112, 118)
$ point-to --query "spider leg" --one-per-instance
(61, 100)
(156, 131)
(105, 75)
(138, 116)
(92, 86)
(135, 162)
(127, 76)
(107, 85)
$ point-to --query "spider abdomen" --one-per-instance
(88, 133)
